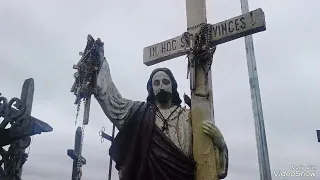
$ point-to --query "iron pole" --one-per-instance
(262, 147)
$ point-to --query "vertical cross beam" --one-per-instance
(27, 99)
(262, 147)
(110, 160)
(74, 154)
(200, 74)
(201, 100)
(109, 138)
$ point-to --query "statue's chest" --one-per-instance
(176, 125)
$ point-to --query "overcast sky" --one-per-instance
(41, 39)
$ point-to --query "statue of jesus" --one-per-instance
(155, 137)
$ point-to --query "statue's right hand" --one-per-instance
(103, 78)
(92, 68)
(102, 62)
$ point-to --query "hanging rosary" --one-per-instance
(85, 83)
(200, 51)
(165, 126)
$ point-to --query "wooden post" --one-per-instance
(201, 101)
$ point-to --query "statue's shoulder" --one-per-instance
(186, 112)
(185, 109)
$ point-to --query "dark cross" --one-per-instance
(17, 112)
(318, 135)
(74, 154)
(109, 138)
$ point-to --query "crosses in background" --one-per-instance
(75, 154)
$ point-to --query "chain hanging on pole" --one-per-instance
(201, 51)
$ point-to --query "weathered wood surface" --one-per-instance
(234, 28)
(201, 102)
(204, 152)
(163, 51)
(237, 27)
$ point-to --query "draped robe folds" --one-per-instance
(143, 151)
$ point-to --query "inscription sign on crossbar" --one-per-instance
(222, 32)
(199, 43)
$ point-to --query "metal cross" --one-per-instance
(75, 154)
(109, 138)
(17, 112)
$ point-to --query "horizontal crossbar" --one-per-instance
(106, 136)
(234, 28)
(74, 156)
(38, 126)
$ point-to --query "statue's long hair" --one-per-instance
(175, 95)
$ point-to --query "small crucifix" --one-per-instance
(199, 44)
(76, 155)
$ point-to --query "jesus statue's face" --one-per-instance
(162, 87)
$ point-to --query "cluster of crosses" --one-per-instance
(78, 159)
(17, 113)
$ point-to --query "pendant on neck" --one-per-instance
(165, 125)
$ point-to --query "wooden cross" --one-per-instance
(75, 154)
(200, 82)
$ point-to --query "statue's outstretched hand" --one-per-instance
(214, 133)
(88, 68)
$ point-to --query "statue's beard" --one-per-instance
(163, 96)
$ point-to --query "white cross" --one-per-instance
(200, 84)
